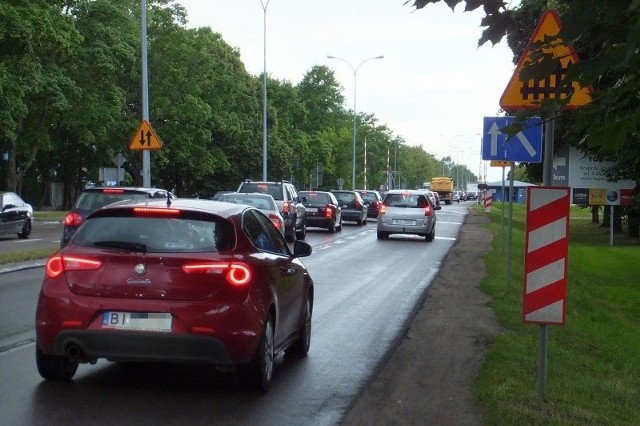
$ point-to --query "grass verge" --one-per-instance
(593, 361)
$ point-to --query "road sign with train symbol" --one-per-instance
(525, 146)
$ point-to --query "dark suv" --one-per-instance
(288, 201)
(97, 197)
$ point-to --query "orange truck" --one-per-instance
(444, 187)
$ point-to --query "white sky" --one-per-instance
(433, 88)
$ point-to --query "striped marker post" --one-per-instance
(545, 265)
(488, 200)
(546, 250)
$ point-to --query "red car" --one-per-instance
(182, 280)
(373, 199)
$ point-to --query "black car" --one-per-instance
(16, 215)
(373, 200)
(91, 199)
(288, 201)
(322, 209)
(353, 207)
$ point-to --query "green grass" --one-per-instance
(593, 361)
(35, 254)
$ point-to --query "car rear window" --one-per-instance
(368, 196)
(274, 190)
(95, 200)
(156, 234)
(315, 198)
(405, 200)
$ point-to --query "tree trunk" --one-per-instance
(595, 214)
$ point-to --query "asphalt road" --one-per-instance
(366, 292)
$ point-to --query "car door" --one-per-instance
(11, 216)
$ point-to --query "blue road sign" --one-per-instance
(525, 146)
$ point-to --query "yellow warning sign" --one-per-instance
(145, 138)
(529, 94)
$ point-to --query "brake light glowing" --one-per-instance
(160, 211)
(328, 212)
(236, 273)
(286, 207)
(113, 191)
(427, 210)
(59, 264)
(383, 210)
(73, 219)
(276, 220)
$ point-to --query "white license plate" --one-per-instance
(312, 209)
(403, 222)
(143, 321)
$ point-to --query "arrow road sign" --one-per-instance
(525, 146)
(145, 138)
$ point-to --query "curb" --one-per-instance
(13, 267)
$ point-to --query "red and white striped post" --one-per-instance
(488, 200)
(545, 263)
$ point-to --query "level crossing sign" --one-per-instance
(525, 146)
(530, 94)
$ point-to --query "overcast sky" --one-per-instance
(433, 88)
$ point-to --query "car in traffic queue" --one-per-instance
(353, 207)
(96, 197)
(408, 212)
(323, 210)
(184, 280)
(16, 215)
(263, 202)
(373, 200)
(288, 201)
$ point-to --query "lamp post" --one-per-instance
(264, 92)
(355, 114)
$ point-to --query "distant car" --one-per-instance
(263, 202)
(91, 199)
(407, 212)
(472, 195)
(455, 196)
(353, 207)
(220, 193)
(288, 201)
(373, 200)
(434, 197)
(323, 210)
(198, 281)
(16, 215)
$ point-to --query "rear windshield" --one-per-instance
(368, 196)
(95, 200)
(405, 200)
(315, 198)
(156, 234)
(275, 190)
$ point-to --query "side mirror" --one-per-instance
(301, 249)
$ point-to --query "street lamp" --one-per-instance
(355, 114)
(264, 93)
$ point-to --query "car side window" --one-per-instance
(278, 242)
(259, 229)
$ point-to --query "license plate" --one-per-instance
(312, 210)
(143, 321)
(403, 222)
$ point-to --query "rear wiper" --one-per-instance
(127, 245)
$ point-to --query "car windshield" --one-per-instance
(156, 235)
(95, 200)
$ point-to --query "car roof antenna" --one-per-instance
(168, 200)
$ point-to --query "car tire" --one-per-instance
(382, 235)
(302, 233)
(301, 346)
(26, 230)
(258, 373)
(55, 368)
(431, 235)
(332, 226)
(291, 236)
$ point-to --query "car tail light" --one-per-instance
(276, 220)
(427, 210)
(57, 265)
(383, 210)
(328, 212)
(113, 191)
(73, 219)
(286, 207)
(151, 211)
(236, 273)
(357, 204)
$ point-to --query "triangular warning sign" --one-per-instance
(145, 138)
(530, 94)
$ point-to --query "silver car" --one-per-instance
(407, 212)
(263, 202)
